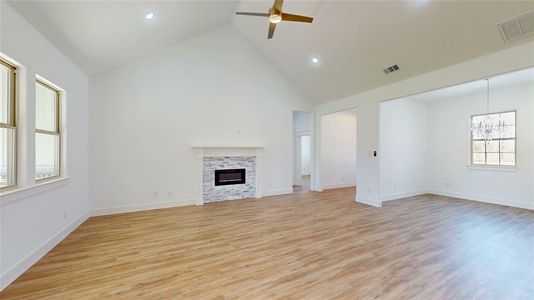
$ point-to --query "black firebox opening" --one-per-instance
(230, 176)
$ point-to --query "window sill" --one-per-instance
(18, 193)
(493, 168)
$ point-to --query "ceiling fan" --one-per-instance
(276, 15)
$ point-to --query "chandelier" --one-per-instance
(487, 127)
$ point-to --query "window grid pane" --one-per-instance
(46, 108)
(8, 130)
(47, 136)
(501, 149)
(46, 155)
(479, 158)
(7, 157)
(5, 94)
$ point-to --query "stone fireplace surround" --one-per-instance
(210, 158)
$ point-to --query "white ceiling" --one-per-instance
(500, 82)
(354, 40)
(99, 35)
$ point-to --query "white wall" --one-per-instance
(338, 149)
(33, 220)
(510, 59)
(403, 148)
(212, 89)
(305, 158)
(425, 147)
(302, 122)
(449, 149)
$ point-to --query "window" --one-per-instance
(8, 129)
(47, 135)
(500, 150)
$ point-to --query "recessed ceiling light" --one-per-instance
(315, 60)
(149, 16)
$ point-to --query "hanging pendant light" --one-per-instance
(487, 128)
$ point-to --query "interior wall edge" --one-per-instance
(483, 199)
(139, 207)
(18, 269)
(397, 196)
(339, 185)
(369, 201)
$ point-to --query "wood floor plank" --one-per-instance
(303, 246)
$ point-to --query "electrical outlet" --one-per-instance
(448, 185)
(169, 193)
(395, 186)
(368, 190)
(156, 194)
(65, 214)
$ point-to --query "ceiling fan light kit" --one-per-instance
(276, 16)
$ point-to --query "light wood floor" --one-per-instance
(306, 245)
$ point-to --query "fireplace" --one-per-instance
(214, 187)
(230, 176)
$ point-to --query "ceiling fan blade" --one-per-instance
(278, 4)
(296, 18)
(272, 26)
(252, 14)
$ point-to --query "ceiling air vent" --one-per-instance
(391, 69)
(517, 27)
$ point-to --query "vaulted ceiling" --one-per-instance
(99, 35)
(354, 40)
(496, 83)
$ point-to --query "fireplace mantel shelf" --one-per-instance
(228, 147)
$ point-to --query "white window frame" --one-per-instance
(472, 140)
(56, 132)
(12, 122)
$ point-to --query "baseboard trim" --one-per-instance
(403, 195)
(498, 201)
(338, 185)
(368, 201)
(139, 207)
(10, 275)
(277, 192)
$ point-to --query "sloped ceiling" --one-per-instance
(497, 83)
(354, 40)
(99, 35)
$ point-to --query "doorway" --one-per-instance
(303, 149)
(303, 164)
